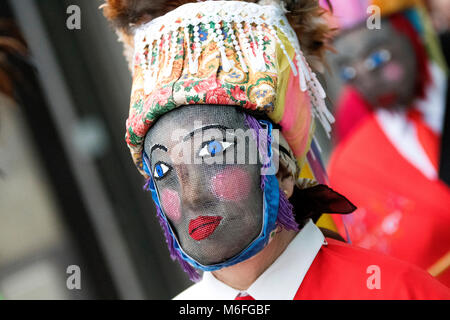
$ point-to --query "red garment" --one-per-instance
(247, 297)
(400, 211)
(343, 272)
(403, 25)
(429, 139)
(351, 109)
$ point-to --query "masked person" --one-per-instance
(390, 116)
(222, 91)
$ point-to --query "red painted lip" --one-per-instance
(203, 226)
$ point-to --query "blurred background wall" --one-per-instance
(69, 192)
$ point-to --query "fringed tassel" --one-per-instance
(197, 46)
(285, 216)
(283, 48)
(260, 48)
(151, 75)
(237, 47)
(155, 65)
(308, 81)
(318, 87)
(256, 127)
(191, 271)
(167, 52)
(251, 58)
(263, 182)
(149, 82)
(173, 50)
(321, 111)
(193, 67)
(304, 72)
(146, 186)
(227, 65)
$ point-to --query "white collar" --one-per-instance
(279, 282)
(402, 133)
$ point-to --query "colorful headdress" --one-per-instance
(349, 13)
(408, 17)
(230, 53)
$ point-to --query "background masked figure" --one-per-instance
(389, 120)
(223, 92)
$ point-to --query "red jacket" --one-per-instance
(400, 212)
(343, 272)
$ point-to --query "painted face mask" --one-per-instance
(212, 199)
(380, 64)
(385, 51)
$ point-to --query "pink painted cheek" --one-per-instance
(231, 184)
(393, 72)
(171, 204)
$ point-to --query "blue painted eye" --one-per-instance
(377, 59)
(348, 73)
(160, 170)
(214, 147)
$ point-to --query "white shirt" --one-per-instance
(402, 133)
(279, 282)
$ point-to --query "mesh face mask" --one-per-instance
(207, 182)
(381, 65)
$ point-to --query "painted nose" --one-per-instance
(194, 187)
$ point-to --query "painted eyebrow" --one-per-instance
(211, 126)
(158, 146)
